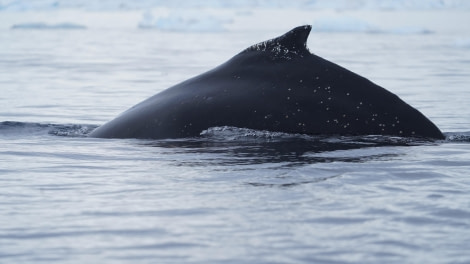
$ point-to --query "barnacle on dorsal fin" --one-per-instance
(286, 46)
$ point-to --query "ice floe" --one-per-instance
(183, 21)
(41, 25)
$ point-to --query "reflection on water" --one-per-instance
(292, 184)
(228, 146)
(235, 146)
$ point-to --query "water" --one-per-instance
(233, 195)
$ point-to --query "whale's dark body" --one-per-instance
(276, 85)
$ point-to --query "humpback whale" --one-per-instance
(276, 85)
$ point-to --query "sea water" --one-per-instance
(232, 195)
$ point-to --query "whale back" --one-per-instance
(275, 85)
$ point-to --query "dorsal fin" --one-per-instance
(286, 46)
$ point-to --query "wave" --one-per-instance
(16, 129)
(457, 136)
(245, 134)
(228, 134)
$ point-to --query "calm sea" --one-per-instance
(232, 195)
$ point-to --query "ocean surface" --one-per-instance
(232, 195)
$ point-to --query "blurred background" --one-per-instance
(378, 16)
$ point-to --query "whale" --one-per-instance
(276, 85)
